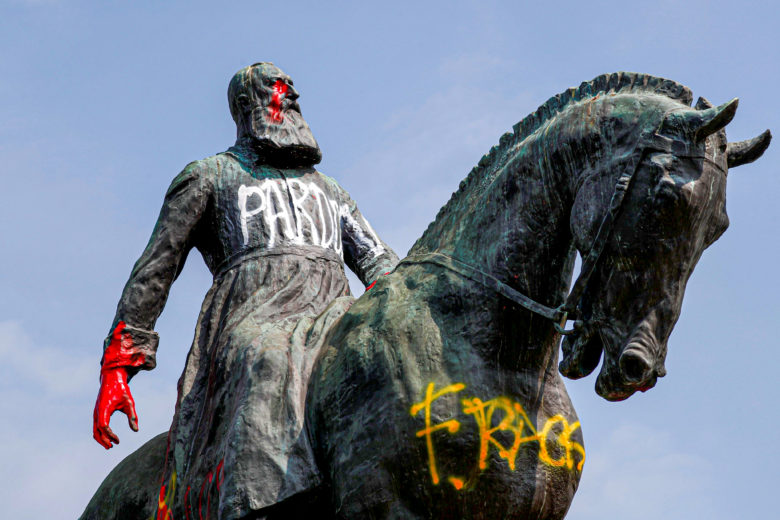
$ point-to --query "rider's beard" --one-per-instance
(284, 139)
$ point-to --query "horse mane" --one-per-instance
(617, 82)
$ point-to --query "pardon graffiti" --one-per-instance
(500, 414)
(269, 201)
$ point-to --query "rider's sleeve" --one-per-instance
(364, 252)
(146, 291)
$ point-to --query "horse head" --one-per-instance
(671, 163)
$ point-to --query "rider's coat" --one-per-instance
(275, 241)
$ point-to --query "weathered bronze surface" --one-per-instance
(437, 394)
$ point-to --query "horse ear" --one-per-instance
(703, 103)
(702, 121)
(743, 152)
(713, 119)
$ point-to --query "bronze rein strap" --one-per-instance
(490, 281)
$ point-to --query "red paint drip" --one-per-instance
(208, 498)
(186, 505)
(220, 476)
(163, 512)
(374, 282)
(280, 91)
(200, 502)
(161, 507)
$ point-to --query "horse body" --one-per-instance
(413, 342)
(437, 397)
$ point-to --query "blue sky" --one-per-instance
(102, 103)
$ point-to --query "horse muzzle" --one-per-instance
(637, 367)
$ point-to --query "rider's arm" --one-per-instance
(364, 252)
(146, 291)
(132, 344)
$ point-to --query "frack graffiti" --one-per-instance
(555, 445)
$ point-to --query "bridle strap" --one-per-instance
(647, 142)
(605, 229)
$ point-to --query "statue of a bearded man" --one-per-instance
(275, 233)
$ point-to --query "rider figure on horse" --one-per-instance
(275, 233)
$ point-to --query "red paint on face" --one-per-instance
(280, 91)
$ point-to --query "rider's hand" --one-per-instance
(114, 395)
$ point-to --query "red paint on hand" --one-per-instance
(114, 393)
(120, 351)
(280, 91)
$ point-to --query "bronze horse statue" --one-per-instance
(438, 394)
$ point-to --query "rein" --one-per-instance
(647, 142)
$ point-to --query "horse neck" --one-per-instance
(514, 225)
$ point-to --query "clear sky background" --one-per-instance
(103, 103)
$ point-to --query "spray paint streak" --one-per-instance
(200, 499)
(164, 511)
(164, 508)
(220, 476)
(374, 282)
(557, 432)
(186, 505)
(280, 91)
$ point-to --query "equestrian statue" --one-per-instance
(438, 393)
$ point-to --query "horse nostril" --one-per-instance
(634, 366)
